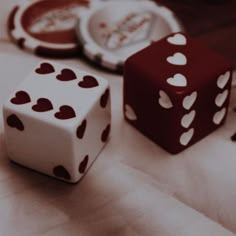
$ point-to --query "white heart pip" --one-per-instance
(219, 116)
(223, 80)
(164, 100)
(178, 59)
(186, 137)
(221, 98)
(189, 100)
(129, 113)
(178, 80)
(188, 119)
(177, 39)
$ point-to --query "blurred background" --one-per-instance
(212, 21)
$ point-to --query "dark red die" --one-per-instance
(176, 91)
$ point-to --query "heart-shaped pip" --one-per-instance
(65, 113)
(178, 80)
(14, 122)
(177, 39)
(130, 113)
(66, 75)
(43, 105)
(186, 137)
(45, 68)
(221, 98)
(88, 82)
(105, 98)
(83, 165)
(178, 59)
(164, 100)
(223, 80)
(61, 172)
(188, 119)
(219, 116)
(105, 133)
(233, 137)
(21, 98)
(189, 101)
(81, 130)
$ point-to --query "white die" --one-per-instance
(57, 121)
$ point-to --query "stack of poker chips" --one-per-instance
(106, 36)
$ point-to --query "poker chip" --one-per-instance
(111, 31)
(46, 27)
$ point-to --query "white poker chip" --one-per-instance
(46, 27)
(111, 31)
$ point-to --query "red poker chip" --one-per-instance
(46, 27)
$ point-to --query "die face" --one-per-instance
(56, 121)
(202, 118)
(37, 145)
(63, 153)
(183, 124)
(176, 111)
(150, 111)
(58, 94)
(93, 131)
(179, 68)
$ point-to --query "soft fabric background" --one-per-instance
(134, 188)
